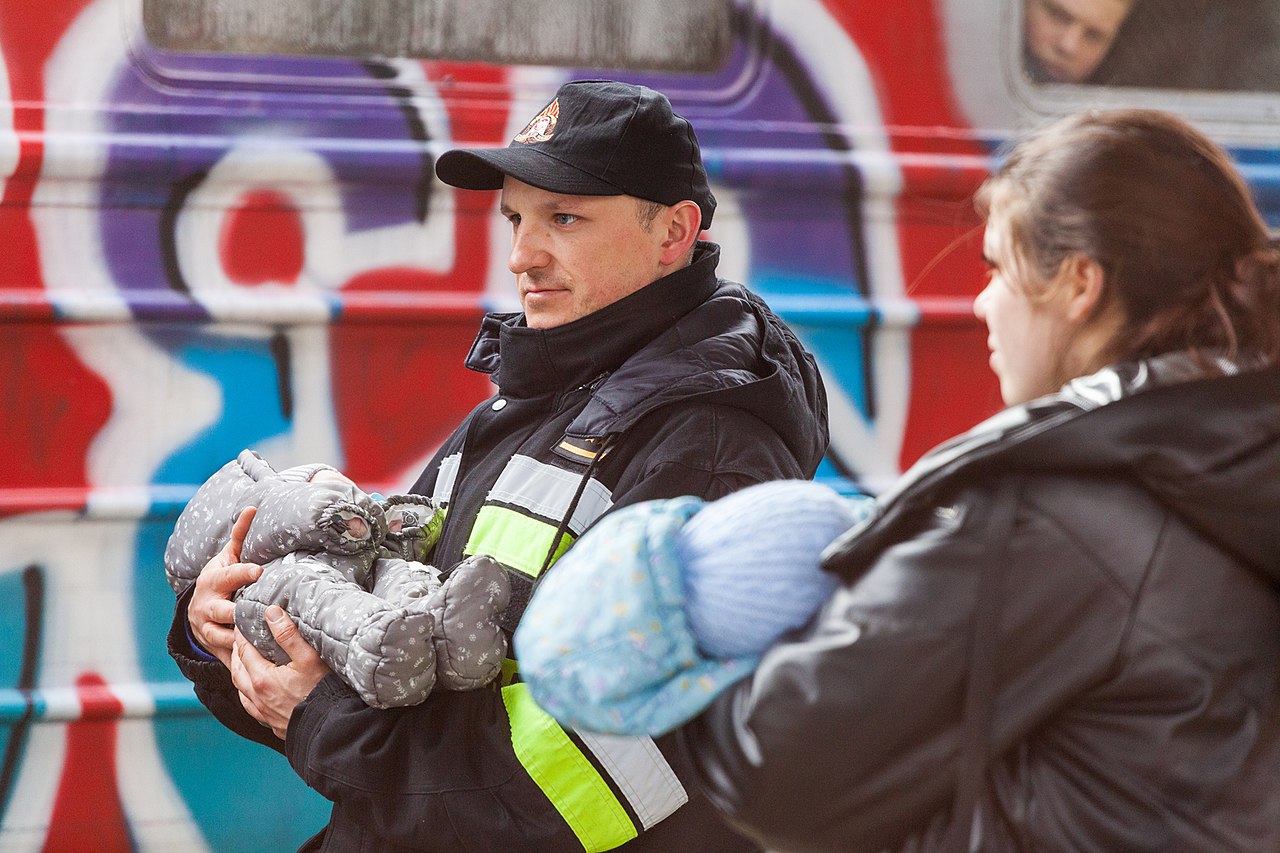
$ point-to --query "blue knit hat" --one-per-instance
(751, 562)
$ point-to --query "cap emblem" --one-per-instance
(542, 126)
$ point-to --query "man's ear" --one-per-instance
(1084, 286)
(684, 223)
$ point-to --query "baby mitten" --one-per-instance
(751, 562)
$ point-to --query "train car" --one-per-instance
(221, 229)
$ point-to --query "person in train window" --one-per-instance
(1064, 41)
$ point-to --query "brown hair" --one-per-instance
(1161, 209)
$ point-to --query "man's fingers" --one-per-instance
(243, 683)
(237, 666)
(214, 637)
(246, 665)
(222, 611)
(251, 660)
(286, 634)
(252, 709)
(223, 580)
(240, 530)
(211, 608)
(263, 686)
(211, 611)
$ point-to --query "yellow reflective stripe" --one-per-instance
(570, 781)
(510, 671)
(514, 539)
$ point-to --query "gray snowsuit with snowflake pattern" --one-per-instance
(347, 568)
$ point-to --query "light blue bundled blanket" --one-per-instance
(662, 605)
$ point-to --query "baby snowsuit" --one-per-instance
(348, 569)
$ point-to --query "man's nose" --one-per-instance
(1070, 40)
(528, 251)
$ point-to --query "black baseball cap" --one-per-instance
(596, 137)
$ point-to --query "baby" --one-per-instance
(662, 605)
(350, 570)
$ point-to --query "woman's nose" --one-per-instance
(979, 303)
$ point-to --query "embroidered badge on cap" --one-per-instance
(542, 126)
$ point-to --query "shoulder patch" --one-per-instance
(579, 449)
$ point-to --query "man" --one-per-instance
(1066, 40)
(632, 373)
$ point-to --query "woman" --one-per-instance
(1061, 631)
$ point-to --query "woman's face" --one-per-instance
(1028, 330)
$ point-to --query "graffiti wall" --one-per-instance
(205, 252)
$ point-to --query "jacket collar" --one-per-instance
(1203, 441)
(528, 362)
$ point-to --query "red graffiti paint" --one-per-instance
(50, 409)
(948, 373)
(28, 41)
(87, 811)
(262, 240)
(400, 388)
(53, 405)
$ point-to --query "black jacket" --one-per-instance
(1064, 621)
(689, 386)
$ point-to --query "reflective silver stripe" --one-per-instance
(641, 773)
(547, 491)
(445, 478)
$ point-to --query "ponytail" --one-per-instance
(1160, 207)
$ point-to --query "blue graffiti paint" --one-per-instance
(19, 668)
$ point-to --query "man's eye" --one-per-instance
(565, 219)
(1057, 13)
(514, 219)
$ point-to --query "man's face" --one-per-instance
(1069, 38)
(573, 255)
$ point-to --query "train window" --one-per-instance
(659, 35)
(1208, 45)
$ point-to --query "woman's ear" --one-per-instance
(684, 221)
(1083, 284)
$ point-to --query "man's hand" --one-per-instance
(211, 612)
(269, 692)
